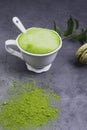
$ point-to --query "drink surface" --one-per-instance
(39, 41)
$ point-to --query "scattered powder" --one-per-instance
(28, 107)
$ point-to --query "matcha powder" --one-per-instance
(27, 107)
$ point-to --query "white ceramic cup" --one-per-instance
(35, 62)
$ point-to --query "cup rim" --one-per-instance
(46, 54)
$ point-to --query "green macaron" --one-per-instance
(81, 54)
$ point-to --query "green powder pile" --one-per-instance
(28, 107)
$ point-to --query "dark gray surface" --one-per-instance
(66, 77)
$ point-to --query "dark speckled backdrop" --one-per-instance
(67, 78)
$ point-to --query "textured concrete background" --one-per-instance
(66, 77)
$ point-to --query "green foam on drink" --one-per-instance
(39, 41)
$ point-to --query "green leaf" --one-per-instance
(86, 39)
(70, 27)
(76, 24)
(56, 28)
(82, 37)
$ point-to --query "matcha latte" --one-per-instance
(39, 41)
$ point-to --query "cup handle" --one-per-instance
(10, 50)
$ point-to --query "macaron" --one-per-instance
(81, 54)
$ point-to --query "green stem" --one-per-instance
(69, 36)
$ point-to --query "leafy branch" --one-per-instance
(71, 31)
